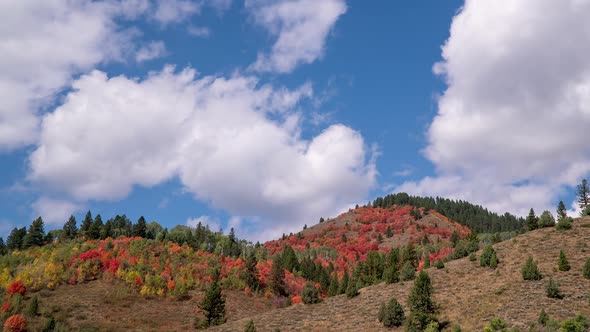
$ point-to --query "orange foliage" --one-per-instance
(17, 287)
(15, 323)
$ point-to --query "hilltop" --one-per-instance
(468, 295)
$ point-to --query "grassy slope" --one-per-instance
(468, 295)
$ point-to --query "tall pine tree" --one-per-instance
(583, 192)
(532, 221)
(561, 211)
(140, 228)
(70, 230)
(35, 235)
(16, 238)
(422, 307)
(86, 224)
(213, 305)
(277, 277)
(3, 249)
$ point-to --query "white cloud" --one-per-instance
(202, 32)
(300, 26)
(44, 43)
(175, 11)
(511, 127)
(55, 212)
(152, 50)
(232, 142)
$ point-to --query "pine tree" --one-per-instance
(486, 256)
(408, 271)
(213, 305)
(140, 228)
(70, 230)
(392, 314)
(552, 290)
(310, 294)
(422, 307)
(583, 192)
(250, 326)
(546, 220)
(532, 221)
(3, 250)
(33, 309)
(36, 234)
(251, 272)
(426, 259)
(543, 318)
(563, 263)
(530, 271)
(277, 277)
(16, 238)
(344, 283)
(334, 287)
(410, 254)
(353, 288)
(86, 224)
(95, 229)
(289, 259)
(561, 211)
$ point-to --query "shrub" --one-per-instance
(15, 323)
(530, 270)
(391, 314)
(586, 269)
(391, 275)
(546, 220)
(487, 256)
(310, 294)
(250, 326)
(439, 264)
(543, 318)
(432, 327)
(17, 287)
(50, 325)
(353, 288)
(564, 224)
(473, 257)
(576, 324)
(563, 263)
(552, 290)
(33, 309)
(496, 324)
(408, 271)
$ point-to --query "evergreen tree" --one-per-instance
(583, 193)
(108, 229)
(334, 287)
(251, 272)
(33, 309)
(552, 290)
(95, 229)
(561, 211)
(277, 278)
(3, 250)
(530, 270)
(455, 238)
(410, 254)
(408, 271)
(486, 256)
(422, 307)
(140, 228)
(392, 314)
(86, 224)
(563, 263)
(310, 294)
(532, 221)
(494, 260)
(546, 220)
(353, 288)
(36, 234)
(564, 224)
(426, 259)
(289, 259)
(213, 305)
(70, 230)
(250, 326)
(543, 318)
(16, 239)
(344, 283)
(586, 269)
(388, 232)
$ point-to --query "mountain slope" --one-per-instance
(468, 295)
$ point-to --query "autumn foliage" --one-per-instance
(15, 323)
(16, 287)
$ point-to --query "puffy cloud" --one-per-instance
(153, 50)
(34, 68)
(54, 211)
(175, 11)
(213, 224)
(510, 129)
(301, 28)
(232, 142)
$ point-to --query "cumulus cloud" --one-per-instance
(510, 129)
(232, 142)
(54, 211)
(301, 28)
(152, 50)
(202, 32)
(213, 224)
(175, 11)
(44, 43)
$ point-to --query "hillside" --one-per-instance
(468, 295)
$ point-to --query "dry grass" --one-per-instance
(468, 295)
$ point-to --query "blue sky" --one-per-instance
(266, 115)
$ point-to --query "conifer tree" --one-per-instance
(140, 228)
(410, 254)
(486, 257)
(552, 290)
(532, 221)
(86, 224)
(36, 234)
(70, 230)
(344, 283)
(3, 250)
(392, 314)
(408, 271)
(213, 305)
(563, 263)
(530, 270)
(583, 193)
(546, 220)
(16, 238)
(310, 294)
(289, 259)
(251, 272)
(95, 228)
(353, 288)
(277, 277)
(561, 211)
(334, 287)
(586, 269)
(426, 259)
(388, 232)
(250, 326)
(422, 307)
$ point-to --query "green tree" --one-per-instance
(277, 277)
(310, 294)
(33, 309)
(561, 211)
(213, 305)
(16, 239)
(86, 224)
(95, 229)
(583, 193)
(532, 221)
(486, 256)
(552, 290)
(564, 224)
(408, 271)
(289, 259)
(530, 271)
(334, 287)
(36, 234)
(250, 326)
(70, 230)
(546, 220)
(140, 228)
(426, 259)
(410, 254)
(3, 250)
(353, 288)
(344, 283)
(422, 307)
(251, 272)
(391, 314)
(586, 269)
(563, 263)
